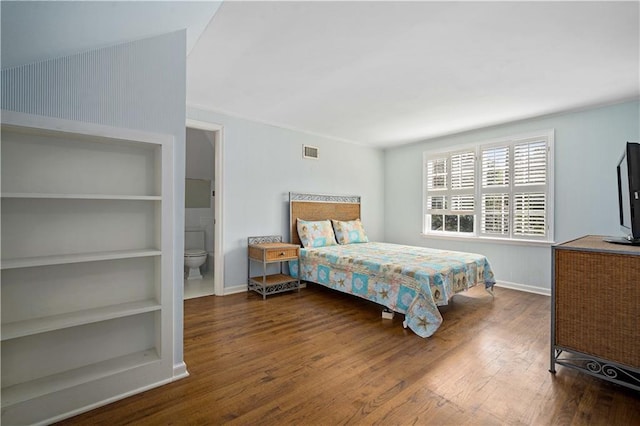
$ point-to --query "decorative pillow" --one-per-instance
(316, 233)
(350, 231)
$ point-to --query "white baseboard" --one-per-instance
(524, 287)
(180, 371)
(235, 289)
(101, 403)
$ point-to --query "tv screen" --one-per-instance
(629, 193)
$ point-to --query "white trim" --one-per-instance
(235, 289)
(103, 402)
(218, 246)
(488, 240)
(551, 184)
(203, 125)
(524, 287)
(180, 371)
(49, 124)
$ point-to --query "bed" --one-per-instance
(409, 280)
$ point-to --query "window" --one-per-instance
(501, 189)
(450, 187)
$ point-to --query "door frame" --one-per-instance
(218, 254)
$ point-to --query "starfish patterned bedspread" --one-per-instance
(409, 280)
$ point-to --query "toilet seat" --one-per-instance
(194, 253)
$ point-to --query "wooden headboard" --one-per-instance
(320, 207)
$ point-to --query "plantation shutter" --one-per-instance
(530, 163)
(437, 174)
(451, 183)
(463, 182)
(503, 189)
(437, 184)
(495, 213)
(530, 188)
(495, 167)
(529, 215)
(462, 170)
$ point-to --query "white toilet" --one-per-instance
(194, 253)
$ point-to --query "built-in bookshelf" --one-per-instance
(87, 258)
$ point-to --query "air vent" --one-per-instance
(309, 151)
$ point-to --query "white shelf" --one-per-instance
(81, 196)
(29, 262)
(87, 220)
(17, 329)
(25, 391)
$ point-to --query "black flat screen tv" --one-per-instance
(629, 194)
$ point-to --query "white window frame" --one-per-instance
(449, 191)
(548, 189)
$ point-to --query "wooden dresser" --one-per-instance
(595, 318)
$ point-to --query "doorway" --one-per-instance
(204, 166)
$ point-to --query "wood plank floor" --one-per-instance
(322, 358)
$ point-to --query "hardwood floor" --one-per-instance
(321, 358)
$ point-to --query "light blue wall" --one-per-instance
(262, 164)
(588, 145)
(137, 85)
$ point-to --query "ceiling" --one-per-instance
(375, 73)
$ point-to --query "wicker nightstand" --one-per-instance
(266, 250)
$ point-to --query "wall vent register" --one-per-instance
(311, 152)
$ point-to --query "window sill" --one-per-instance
(485, 240)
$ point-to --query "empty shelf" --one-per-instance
(17, 329)
(81, 196)
(28, 262)
(55, 382)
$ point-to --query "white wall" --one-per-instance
(588, 145)
(263, 163)
(199, 154)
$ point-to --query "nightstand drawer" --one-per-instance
(282, 254)
(273, 252)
